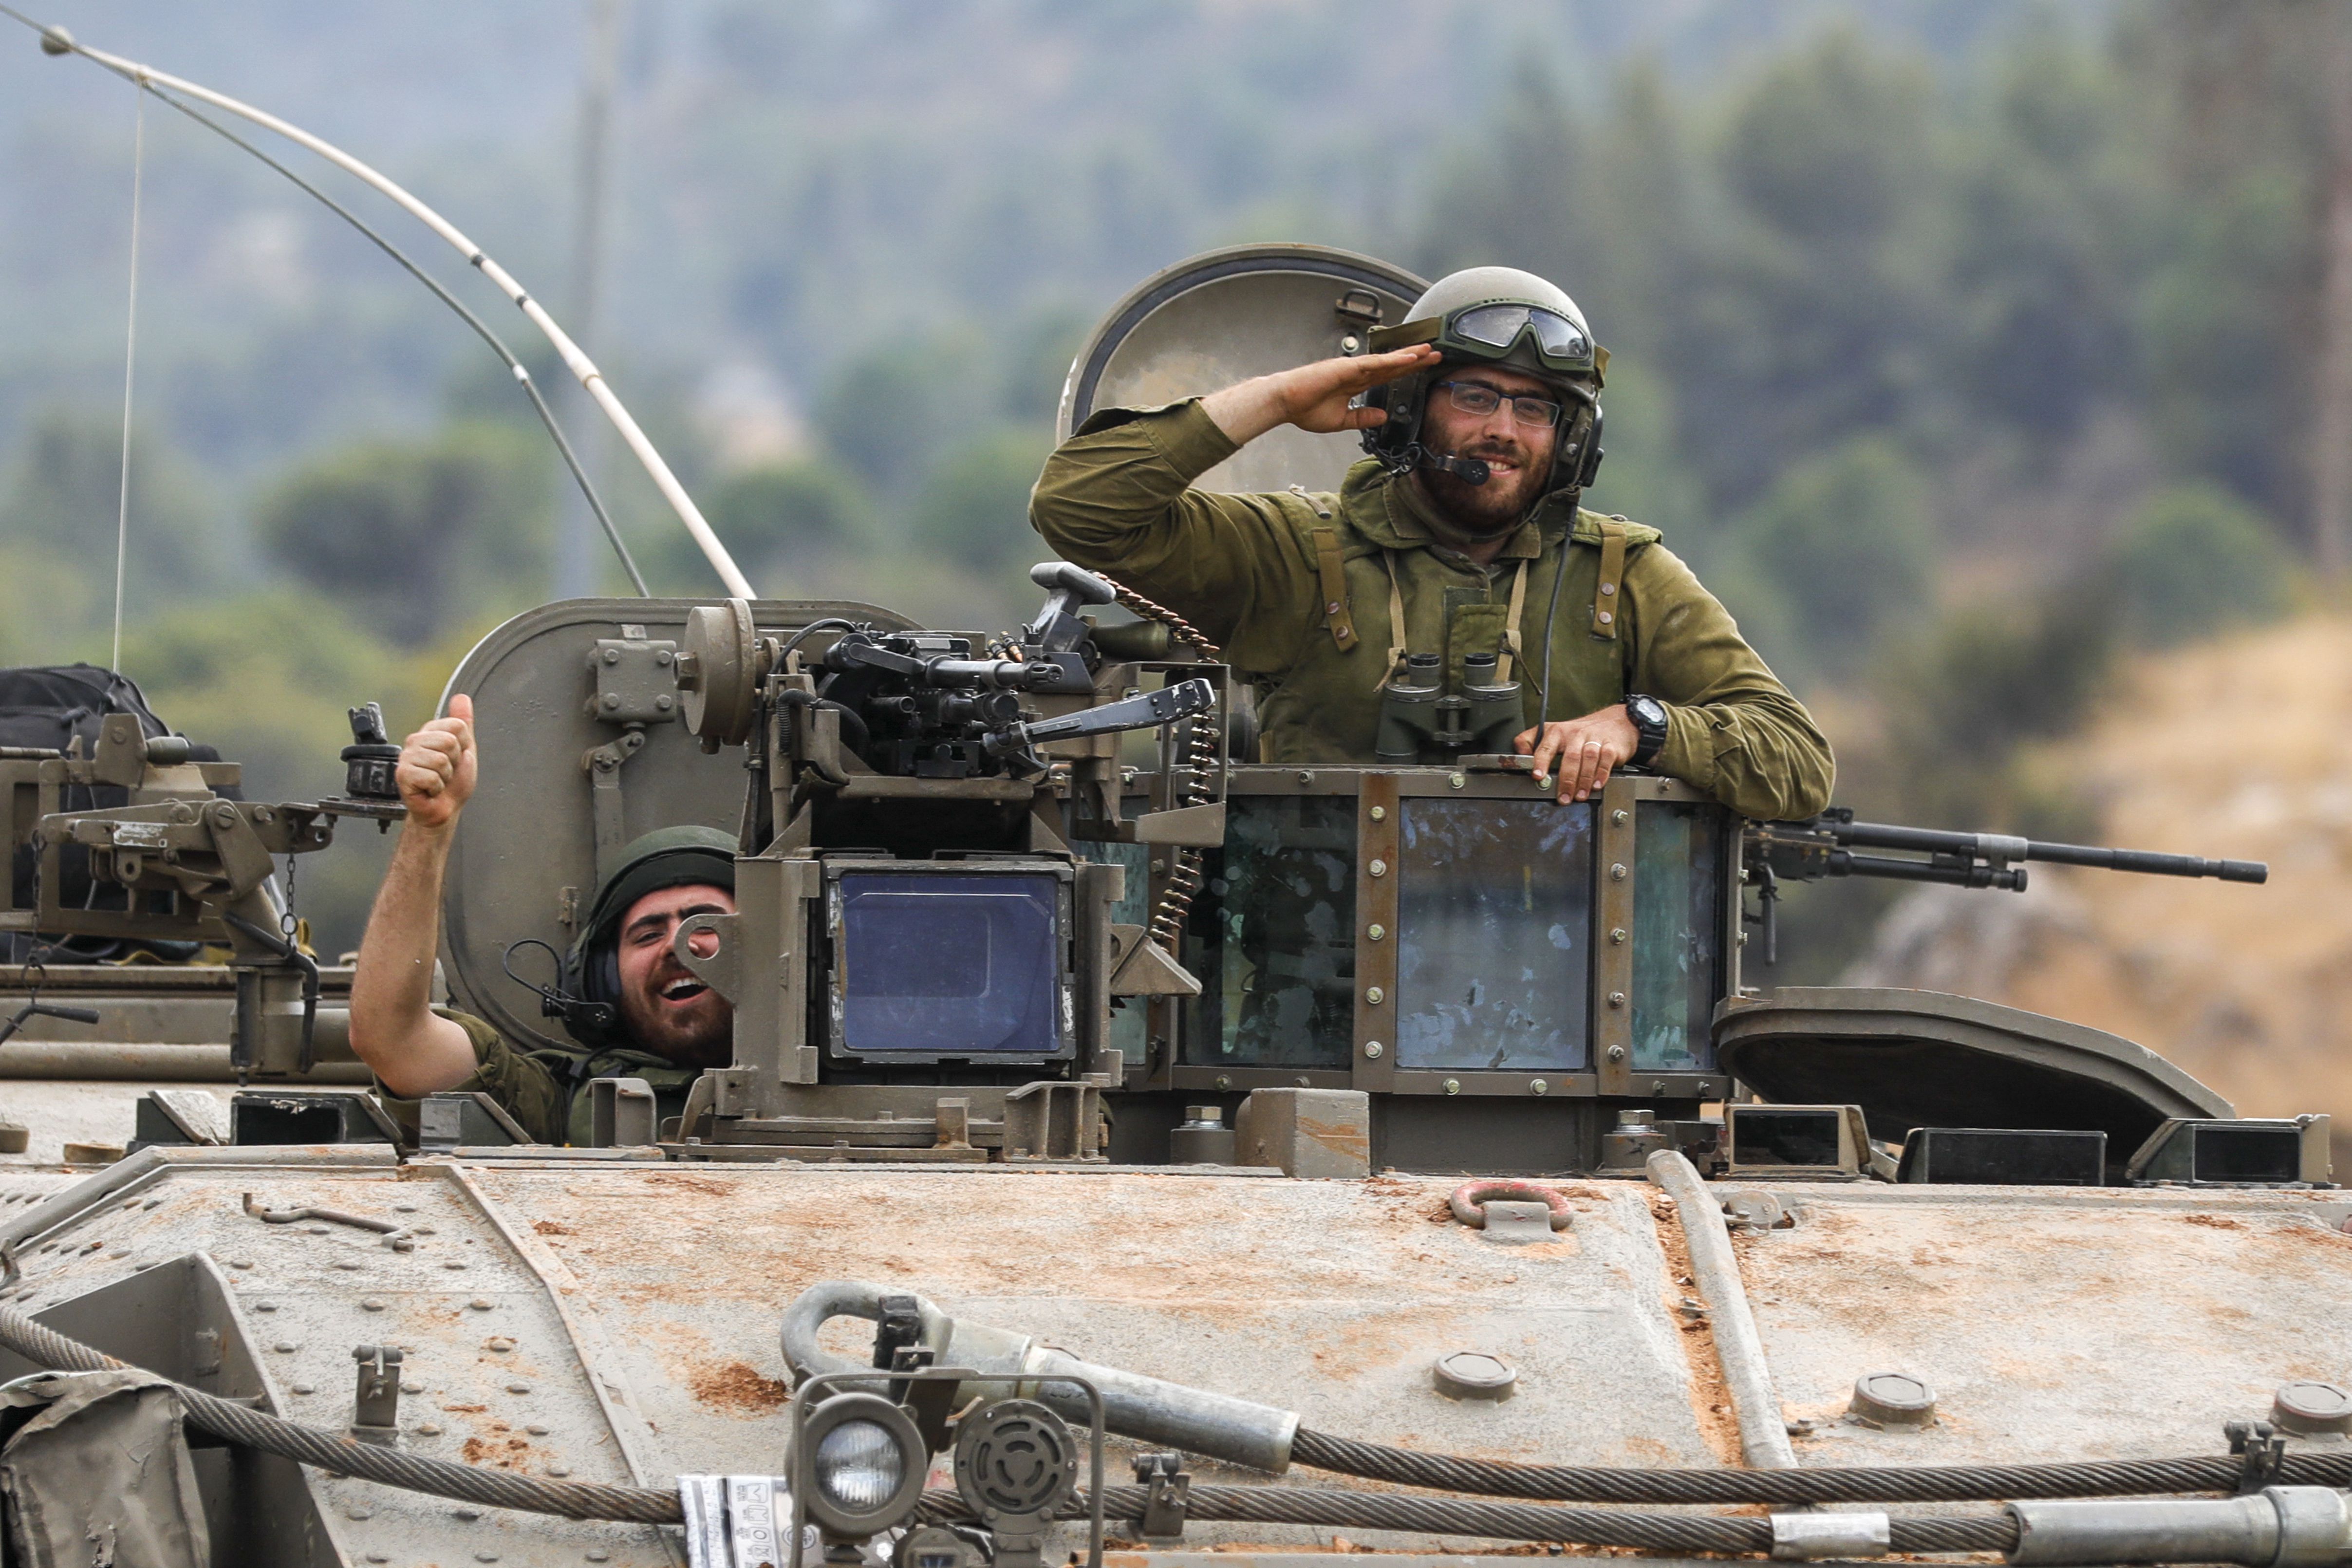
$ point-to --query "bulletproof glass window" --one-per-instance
(2247, 1153)
(948, 964)
(1273, 937)
(1677, 935)
(1806, 1137)
(1494, 935)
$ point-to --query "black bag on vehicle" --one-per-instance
(48, 707)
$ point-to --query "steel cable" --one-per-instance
(1923, 1483)
(1672, 1533)
(346, 1456)
(341, 1454)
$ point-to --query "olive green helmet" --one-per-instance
(666, 858)
(1499, 316)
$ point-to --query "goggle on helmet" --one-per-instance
(1537, 337)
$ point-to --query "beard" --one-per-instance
(1482, 511)
(693, 1031)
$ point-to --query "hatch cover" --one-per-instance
(1922, 1058)
(1227, 315)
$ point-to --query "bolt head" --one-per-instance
(2309, 1408)
(1474, 1375)
(1453, 1086)
(1373, 1050)
(1892, 1399)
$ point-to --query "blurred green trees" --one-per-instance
(417, 536)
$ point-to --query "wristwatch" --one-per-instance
(1649, 717)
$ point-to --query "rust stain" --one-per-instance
(550, 1227)
(736, 1386)
(703, 1185)
(1340, 1138)
(1710, 1394)
(2212, 1221)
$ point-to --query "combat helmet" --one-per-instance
(1499, 316)
(666, 858)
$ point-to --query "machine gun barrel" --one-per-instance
(1999, 848)
(1828, 845)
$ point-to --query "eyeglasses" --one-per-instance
(1475, 397)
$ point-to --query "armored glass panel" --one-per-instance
(1677, 935)
(1273, 937)
(1493, 935)
(2248, 1154)
(947, 963)
(1128, 1032)
(1767, 1137)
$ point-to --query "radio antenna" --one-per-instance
(56, 40)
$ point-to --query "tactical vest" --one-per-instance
(1375, 568)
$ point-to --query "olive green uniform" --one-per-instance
(1306, 592)
(546, 1090)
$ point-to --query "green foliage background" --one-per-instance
(1958, 346)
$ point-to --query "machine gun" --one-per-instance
(918, 704)
(1824, 847)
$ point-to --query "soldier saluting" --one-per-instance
(1461, 537)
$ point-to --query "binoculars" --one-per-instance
(1421, 721)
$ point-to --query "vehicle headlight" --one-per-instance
(863, 1466)
(858, 1465)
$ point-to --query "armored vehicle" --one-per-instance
(1129, 1150)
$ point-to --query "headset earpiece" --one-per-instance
(1588, 460)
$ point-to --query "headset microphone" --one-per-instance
(554, 1002)
(1469, 470)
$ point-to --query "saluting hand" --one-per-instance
(438, 768)
(1313, 397)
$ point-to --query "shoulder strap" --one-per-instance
(1396, 616)
(1332, 572)
(1606, 597)
(1511, 625)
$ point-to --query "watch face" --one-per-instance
(1648, 710)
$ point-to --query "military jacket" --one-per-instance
(547, 1090)
(1299, 589)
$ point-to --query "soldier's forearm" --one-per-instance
(1247, 409)
(393, 1028)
